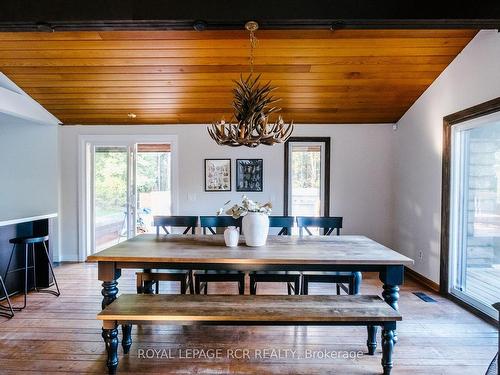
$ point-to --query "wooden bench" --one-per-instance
(129, 309)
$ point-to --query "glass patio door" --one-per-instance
(113, 208)
(475, 212)
(127, 183)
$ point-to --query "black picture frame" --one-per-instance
(211, 180)
(249, 175)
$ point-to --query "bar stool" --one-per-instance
(26, 241)
(10, 312)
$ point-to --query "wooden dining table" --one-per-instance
(281, 253)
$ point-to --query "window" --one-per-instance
(307, 178)
(474, 225)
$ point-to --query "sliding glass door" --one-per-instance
(111, 190)
(126, 181)
(475, 212)
(153, 184)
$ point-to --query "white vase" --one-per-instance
(231, 236)
(255, 228)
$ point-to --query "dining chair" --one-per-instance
(147, 278)
(202, 278)
(329, 226)
(291, 278)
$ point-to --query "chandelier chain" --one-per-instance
(253, 44)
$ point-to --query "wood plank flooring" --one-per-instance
(62, 336)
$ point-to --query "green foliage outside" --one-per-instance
(110, 178)
(306, 169)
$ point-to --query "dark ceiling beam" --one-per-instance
(59, 15)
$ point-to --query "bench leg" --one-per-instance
(127, 337)
(110, 337)
(253, 285)
(371, 343)
(147, 287)
(139, 283)
(388, 335)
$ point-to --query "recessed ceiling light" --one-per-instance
(131, 115)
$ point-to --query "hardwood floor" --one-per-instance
(62, 335)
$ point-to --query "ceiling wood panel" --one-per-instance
(345, 76)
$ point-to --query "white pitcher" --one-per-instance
(231, 236)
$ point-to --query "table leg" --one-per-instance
(109, 275)
(392, 277)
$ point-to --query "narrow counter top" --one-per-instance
(27, 219)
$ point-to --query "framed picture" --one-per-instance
(249, 176)
(217, 174)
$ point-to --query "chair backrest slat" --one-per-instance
(283, 222)
(211, 222)
(328, 224)
(188, 222)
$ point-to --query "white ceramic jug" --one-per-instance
(255, 228)
(231, 236)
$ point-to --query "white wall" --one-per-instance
(360, 174)
(28, 153)
(472, 78)
(29, 175)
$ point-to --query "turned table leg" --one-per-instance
(388, 342)
(109, 276)
(391, 277)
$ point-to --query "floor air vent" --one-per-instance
(424, 297)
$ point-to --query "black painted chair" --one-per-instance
(202, 278)
(8, 311)
(33, 241)
(212, 223)
(329, 226)
(291, 278)
(147, 279)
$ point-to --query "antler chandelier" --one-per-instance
(252, 104)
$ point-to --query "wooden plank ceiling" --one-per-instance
(171, 77)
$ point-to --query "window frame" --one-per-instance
(450, 123)
(326, 180)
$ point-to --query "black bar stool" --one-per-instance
(26, 241)
(10, 311)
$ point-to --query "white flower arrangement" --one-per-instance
(246, 206)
